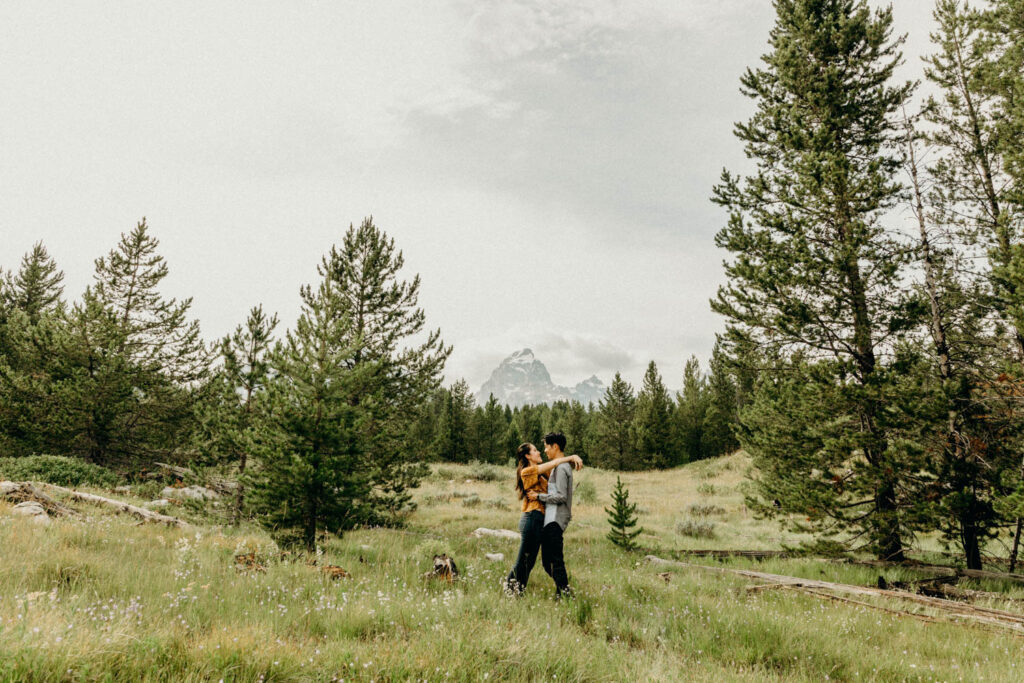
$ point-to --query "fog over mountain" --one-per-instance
(521, 379)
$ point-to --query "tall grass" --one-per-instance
(101, 599)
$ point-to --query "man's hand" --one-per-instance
(577, 462)
(532, 495)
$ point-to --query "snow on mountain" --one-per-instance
(521, 379)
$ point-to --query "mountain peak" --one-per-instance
(521, 379)
(522, 356)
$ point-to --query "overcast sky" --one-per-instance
(545, 165)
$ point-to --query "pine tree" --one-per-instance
(155, 332)
(721, 417)
(613, 442)
(113, 379)
(385, 315)
(36, 288)
(814, 270)
(575, 426)
(141, 359)
(622, 518)
(230, 417)
(490, 427)
(653, 422)
(691, 413)
(31, 312)
(1003, 24)
(314, 471)
(453, 437)
(959, 198)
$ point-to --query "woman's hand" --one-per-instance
(577, 461)
(532, 495)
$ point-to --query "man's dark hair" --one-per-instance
(555, 439)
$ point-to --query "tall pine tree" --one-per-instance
(813, 268)
(613, 438)
(314, 471)
(401, 372)
(653, 422)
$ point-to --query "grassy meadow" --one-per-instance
(106, 599)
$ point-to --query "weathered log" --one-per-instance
(955, 571)
(142, 513)
(20, 491)
(986, 615)
(752, 554)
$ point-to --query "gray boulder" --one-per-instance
(193, 492)
(33, 511)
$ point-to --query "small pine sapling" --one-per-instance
(622, 518)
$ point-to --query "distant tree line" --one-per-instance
(626, 430)
(876, 278)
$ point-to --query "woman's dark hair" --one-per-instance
(521, 462)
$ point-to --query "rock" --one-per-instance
(193, 492)
(495, 557)
(122, 489)
(157, 504)
(497, 533)
(33, 510)
(7, 487)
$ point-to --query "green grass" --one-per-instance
(104, 599)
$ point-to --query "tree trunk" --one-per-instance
(1016, 545)
(971, 543)
(309, 530)
(889, 538)
(240, 498)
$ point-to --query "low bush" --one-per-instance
(706, 489)
(483, 472)
(698, 510)
(696, 529)
(57, 469)
(585, 492)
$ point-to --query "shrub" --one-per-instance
(446, 473)
(695, 529)
(471, 501)
(706, 489)
(699, 510)
(482, 472)
(585, 492)
(57, 469)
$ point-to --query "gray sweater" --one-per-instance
(558, 500)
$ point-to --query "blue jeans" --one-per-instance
(530, 526)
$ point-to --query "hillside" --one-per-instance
(103, 598)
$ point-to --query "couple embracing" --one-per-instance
(545, 489)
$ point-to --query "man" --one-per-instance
(557, 513)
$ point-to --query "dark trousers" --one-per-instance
(530, 526)
(553, 559)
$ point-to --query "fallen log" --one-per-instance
(21, 491)
(752, 554)
(955, 571)
(986, 615)
(142, 513)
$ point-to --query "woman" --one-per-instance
(531, 475)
